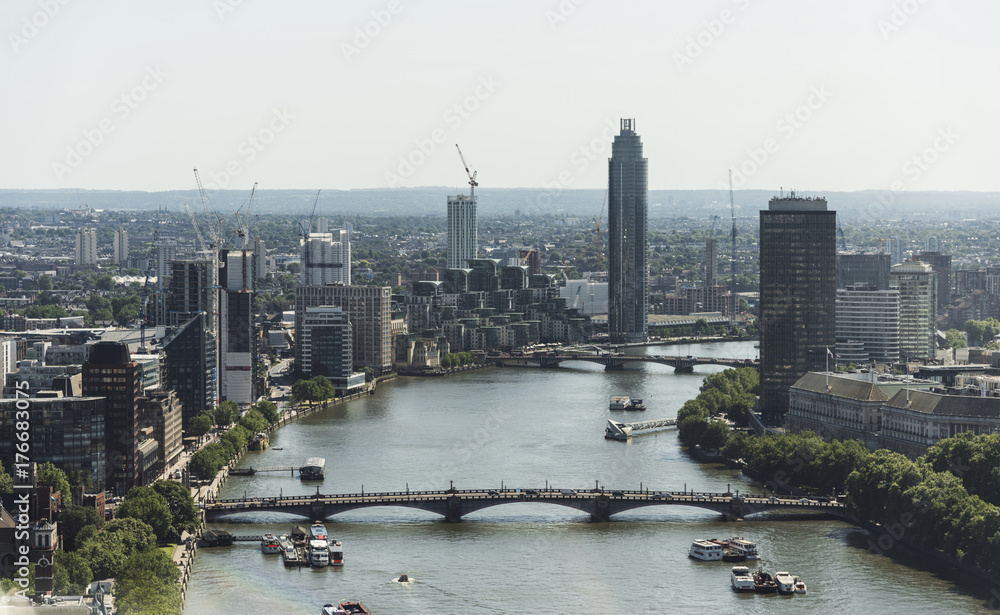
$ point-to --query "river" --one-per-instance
(523, 427)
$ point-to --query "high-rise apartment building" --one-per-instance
(628, 265)
(798, 268)
(711, 262)
(190, 368)
(120, 246)
(941, 263)
(192, 289)
(260, 255)
(327, 347)
(368, 309)
(867, 325)
(166, 253)
(917, 286)
(237, 327)
(326, 259)
(111, 373)
(894, 246)
(86, 247)
(463, 233)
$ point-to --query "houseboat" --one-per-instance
(313, 469)
(624, 402)
(706, 550)
(269, 544)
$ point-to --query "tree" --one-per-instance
(268, 410)
(104, 282)
(207, 462)
(183, 511)
(145, 504)
(226, 413)
(253, 422)
(72, 519)
(304, 391)
(127, 313)
(369, 373)
(6, 481)
(71, 574)
(201, 425)
(48, 475)
(954, 338)
(324, 388)
(108, 551)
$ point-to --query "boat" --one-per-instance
(763, 583)
(299, 534)
(269, 544)
(730, 555)
(403, 578)
(289, 554)
(741, 579)
(260, 442)
(744, 547)
(354, 607)
(706, 550)
(800, 585)
(318, 531)
(624, 402)
(318, 553)
(333, 609)
(786, 583)
(314, 468)
(336, 553)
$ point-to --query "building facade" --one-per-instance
(86, 247)
(111, 373)
(190, 367)
(120, 246)
(326, 259)
(836, 408)
(912, 421)
(941, 264)
(797, 295)
(369, 310)
(711, 262)
(917, 287)
(463, 230)
(327, 349)
(238, 330)
(867, 325)
(871, 269)
(628, 264)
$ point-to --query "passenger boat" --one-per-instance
(763, 583)
(706, 550)
(741, 579)
(744, 547)
(269, 544)
(354, 607)
(318, 553)
(800, 586)
(786, 583)
(289, 554)
(336, 553)
(623, 402)
(317, 531)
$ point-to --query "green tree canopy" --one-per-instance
(183, 511)
(49, 475)
(145, 504)
(201, 425)
(71, 574)
(72, 519)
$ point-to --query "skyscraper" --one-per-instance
(917, 286)
(237, 327)
(867, 325)
(462, 230)
(326, 259)
(121, 246)
(798, 268)
(86, 247)
(166, 252)
(369, 310)
(628, 267)
(711, 262)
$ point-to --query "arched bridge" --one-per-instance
(453, 504)
(615, 361)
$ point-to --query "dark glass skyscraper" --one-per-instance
(798, 274)
(628, 267)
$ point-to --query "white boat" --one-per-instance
(706, 550)
(624, 402)
(800, 586)
(785, 581)
(318, 553)
(333, 609)
(269, 544)
(743, 547)
(317, 531)
(336, 553)
(741, 579)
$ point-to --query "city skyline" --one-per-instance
(880, 96)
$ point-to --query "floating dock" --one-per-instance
(617, 430)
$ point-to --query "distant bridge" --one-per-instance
(454, 504)
(615, 361)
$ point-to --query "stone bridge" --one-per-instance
(454, 504)
(614, 361)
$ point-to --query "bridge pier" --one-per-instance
(602, 509)
(614, 367)
(684, 369)
(317, 510)
(453, 512)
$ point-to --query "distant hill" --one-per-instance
(853, 207)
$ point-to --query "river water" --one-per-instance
(525, 427)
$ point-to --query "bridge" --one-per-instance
(617, 430)
(615, 361)
(453, 504)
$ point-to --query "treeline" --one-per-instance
(455, 359)
(207, 462)
(731, 393)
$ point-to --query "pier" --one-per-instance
(617, 430)
(252, 470)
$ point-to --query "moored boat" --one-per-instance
(800, 586)
(289, 554)
(624, 402)
(336, 553)
(706, 550)
(744, 547)
(741, 579)
(763, 583)
(269, 544)
(354, 607)
(260, 442)
(318, 553)
(317, 531)
(333, 609)
(785, 581)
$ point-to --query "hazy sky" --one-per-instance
(847, 95)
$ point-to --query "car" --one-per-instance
(662, 496)
(531, 492)
(567, 492)
(493, 494)
(773, 498)
(618, 494)
(805, 500)
(699, 497)
(824, 500)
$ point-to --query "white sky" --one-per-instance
(212, 75)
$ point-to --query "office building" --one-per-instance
(870, 269)
(120, 246)
(190, 367)
(161, 411)
(111, 373)
(917, 286)
(894, 246)
(368, 309)
(628, 265)
(327, 347)
(86, 247)
(192, 290)
(867, 325)
(463, 233)
(798, 267)
(238, 339)
(941, 264)
(326, 259)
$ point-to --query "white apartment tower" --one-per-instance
(121, 246)
(86, 247)
(917, 286)
(166, 252)
(326, 259)
(867, 325)
(260, 254)
(462, 230)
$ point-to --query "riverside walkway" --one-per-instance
(453, 504)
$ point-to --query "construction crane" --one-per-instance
(732, 254)
(840, 234)
(201, 193)
(215, 232)
(472, 174)
(194, 223)
(243, 222)
(597, 229)
(304, 236)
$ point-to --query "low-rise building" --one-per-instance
(912, 421)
